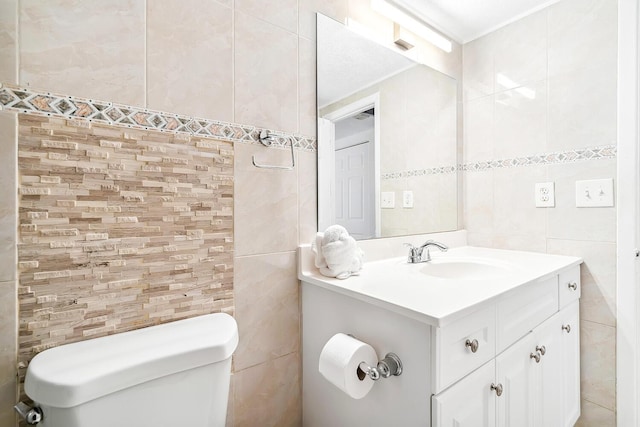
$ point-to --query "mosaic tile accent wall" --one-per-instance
(119, 229)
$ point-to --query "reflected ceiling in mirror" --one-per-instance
(386, 139)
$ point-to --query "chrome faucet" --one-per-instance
(416, 253)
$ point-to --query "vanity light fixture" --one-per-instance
(364, 31)
(411, 23)
(402, 38)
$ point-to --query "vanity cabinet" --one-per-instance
(510, 360)
(534, 382)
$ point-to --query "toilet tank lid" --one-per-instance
(73, 374)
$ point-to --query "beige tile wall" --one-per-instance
(209, 60)
(96, 50)
(196, 79)
(244, 61)
(566, 56)
(256, 66)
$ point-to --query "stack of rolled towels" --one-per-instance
(337, 253)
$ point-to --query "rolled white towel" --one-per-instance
(337, 253)
(316, 247)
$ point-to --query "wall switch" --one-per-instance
(407, 199)
(545, 195)
(594, 193)
(388, 200)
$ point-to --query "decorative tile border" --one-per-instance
(420, 172)
(51, 105)
(570, 156)
(47, 104)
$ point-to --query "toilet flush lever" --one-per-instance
(31, 415)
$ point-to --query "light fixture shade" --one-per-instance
(411, 23)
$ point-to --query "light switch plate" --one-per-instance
(388, 200)
(594, 193)
(545, 195)
(407, 199)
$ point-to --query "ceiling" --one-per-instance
(349, 62)
(466, 20)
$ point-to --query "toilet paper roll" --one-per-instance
(339, 361)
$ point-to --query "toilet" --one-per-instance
(171, 375)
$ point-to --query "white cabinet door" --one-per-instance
(541, 375)
(515, 370)
(570, 341)
(547, 388)
(469, 403)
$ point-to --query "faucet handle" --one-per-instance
(415, 250)
(415, 253)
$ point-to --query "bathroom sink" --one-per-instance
(465, 268)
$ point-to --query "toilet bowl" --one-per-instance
(176, 374)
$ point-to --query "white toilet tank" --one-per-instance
(171, 375)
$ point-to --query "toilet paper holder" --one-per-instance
(390, 365)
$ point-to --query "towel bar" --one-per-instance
(266, 139)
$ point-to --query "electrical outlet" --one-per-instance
(545, 195)
(388, 200)
(594, 193)
(407, 199)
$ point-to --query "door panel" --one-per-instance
(515, 370)
(355, 190)
(468, 403)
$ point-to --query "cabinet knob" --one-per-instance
(573, 286)
(567, 328)
(497, 389)
(473, 345)
(535, 356)
(542, 349)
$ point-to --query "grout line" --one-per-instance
(266, 254)
(17, 48)
(146, 54)
(582, 320)
(599, 405)
(233, 61)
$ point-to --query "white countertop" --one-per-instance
(399, 286)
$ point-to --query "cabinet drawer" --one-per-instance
(463, 346)
(521, 311)
(569, 286)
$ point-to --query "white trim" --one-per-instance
(352, 109)
(627, 352)
(326, 170)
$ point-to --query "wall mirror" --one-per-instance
(386, 139)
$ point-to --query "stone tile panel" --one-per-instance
(119, 229)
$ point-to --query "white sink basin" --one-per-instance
(449, 287)
(465, 268)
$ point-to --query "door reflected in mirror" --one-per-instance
(386, 139)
